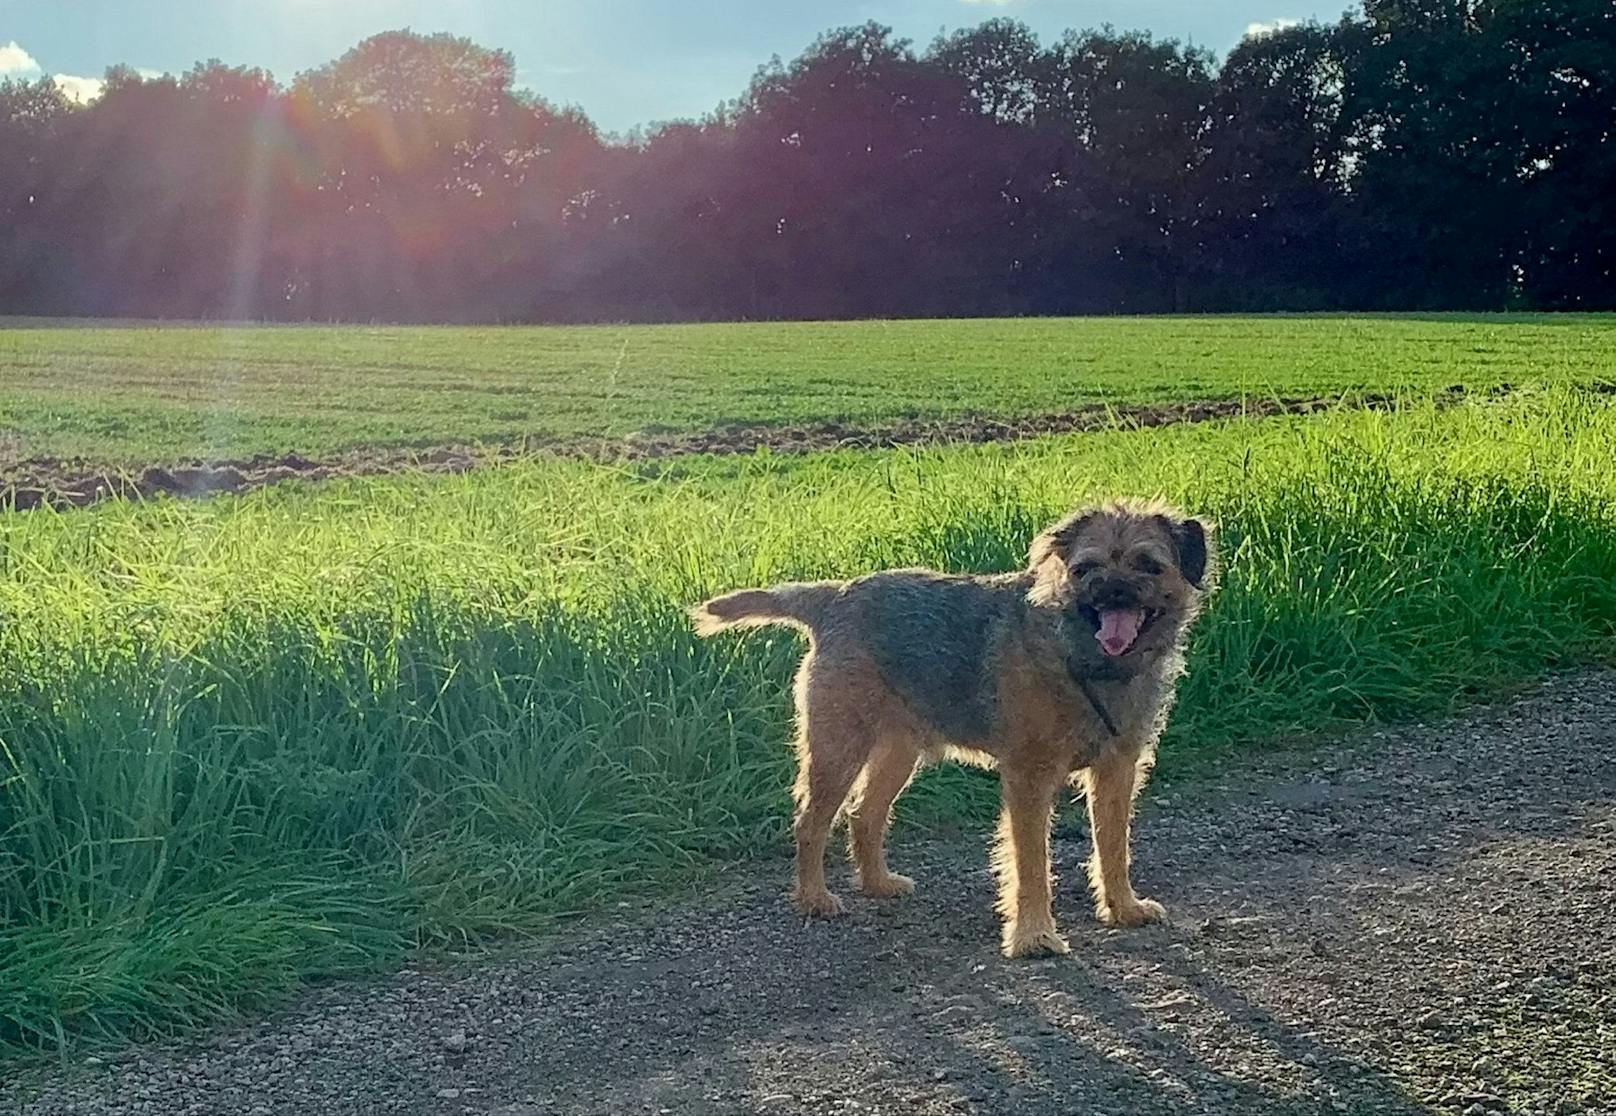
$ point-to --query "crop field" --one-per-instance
(301, 731)
(134, 395)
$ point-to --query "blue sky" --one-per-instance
(625, 62)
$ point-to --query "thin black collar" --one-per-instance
(1094, 698)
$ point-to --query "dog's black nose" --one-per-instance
(1114, 594)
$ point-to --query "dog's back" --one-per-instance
(915, 603)
(932, 636)
(935, 638)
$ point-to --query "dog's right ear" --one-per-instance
(1055, 542)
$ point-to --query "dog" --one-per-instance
(1064, 671)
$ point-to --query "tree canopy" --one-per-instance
(1419, 154)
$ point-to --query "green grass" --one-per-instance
(248, 741)
(127, 395)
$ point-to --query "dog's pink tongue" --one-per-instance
(1119, 627)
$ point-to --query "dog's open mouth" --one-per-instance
(1118, 629)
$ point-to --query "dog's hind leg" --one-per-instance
(822, 784)
(1021, 860)
(887, 772)
(832, 745)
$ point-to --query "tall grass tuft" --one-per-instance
(251, 741)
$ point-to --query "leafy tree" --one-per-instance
(1556, 134)
(1008, 75)
(1422, 154)
(1139, 112)
(1277, 177)
(33, 115)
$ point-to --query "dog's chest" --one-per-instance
(1042, 709)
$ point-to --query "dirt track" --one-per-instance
(35, 482)
(1419, 920)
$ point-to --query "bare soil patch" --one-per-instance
(42, 481)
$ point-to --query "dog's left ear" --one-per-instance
(1055, 542)
(1190, 544)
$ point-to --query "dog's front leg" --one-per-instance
(1021, 860)
(1110, 785)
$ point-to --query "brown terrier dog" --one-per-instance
(1063, 671)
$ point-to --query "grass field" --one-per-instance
(300, 732)
(129, 395)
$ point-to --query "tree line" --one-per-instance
(1416, 155)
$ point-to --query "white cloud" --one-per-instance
(149, 75)
(15, 60)
(1258, 30)
(79, 90)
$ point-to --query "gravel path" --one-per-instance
(1420, 920)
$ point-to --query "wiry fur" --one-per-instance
(906, 666)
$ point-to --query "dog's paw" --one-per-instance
(820, 905)
(1133, 912)
(1036, 943)
(889, 886)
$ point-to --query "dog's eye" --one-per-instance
(1147, 565)
(1083, 569)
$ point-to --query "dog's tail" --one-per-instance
(799, 604)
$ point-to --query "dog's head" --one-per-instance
(1132, 576)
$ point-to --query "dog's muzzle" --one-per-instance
(1117, 615)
